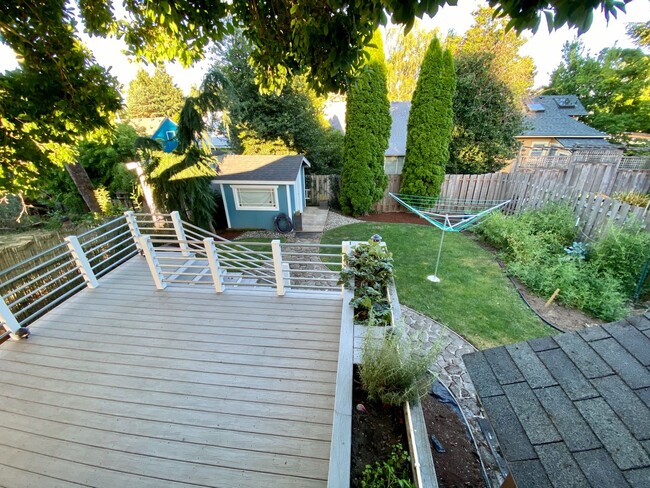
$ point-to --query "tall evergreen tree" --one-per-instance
(153, 96)
(368, 123)
(430, 124)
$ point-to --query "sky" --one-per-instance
(544, 48)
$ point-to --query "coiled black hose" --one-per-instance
(283, 223)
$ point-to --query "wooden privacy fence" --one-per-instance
(586, 187)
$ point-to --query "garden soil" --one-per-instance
(374, 432)
(459, 466)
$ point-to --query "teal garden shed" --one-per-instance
(255, 189)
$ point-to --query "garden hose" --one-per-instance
(283, 223)
(547, 322)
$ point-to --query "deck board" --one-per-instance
(126, 385)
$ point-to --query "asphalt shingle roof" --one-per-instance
(556, 121)
(572, 410)
(259, 168)
(399, 111)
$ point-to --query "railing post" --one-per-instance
(133, 227)
(152, 261)
(81, 261)
(346, 249)
(286, 276)
(7, 318)
(277, 266)
(180, 233)
(213, 262)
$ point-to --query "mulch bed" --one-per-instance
(395, 218)
(374, 432)
(459, 466)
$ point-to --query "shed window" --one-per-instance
(170, 134)
(256, 198)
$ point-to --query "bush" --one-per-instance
(395, 369)
(392, 473)
(622, 252)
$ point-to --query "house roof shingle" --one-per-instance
(557, 121)
(572, 410)
(260, 168)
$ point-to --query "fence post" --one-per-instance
(213, 262)
(152, 261)
(180, 233)
(133, 227)
(277, 266)
(81, 261)
(7, 318)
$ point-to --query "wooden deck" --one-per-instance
(127, 386)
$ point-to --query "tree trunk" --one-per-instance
(84, 185)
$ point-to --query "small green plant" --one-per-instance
(396, 368)
(391, 473)
(635, 198)
(368, 271)
(577, 250)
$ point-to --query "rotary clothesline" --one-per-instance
(447, 214)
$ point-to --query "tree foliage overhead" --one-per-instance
(367, 129)
(430, 124)
(614, 86)
(287, 122)
(491, 35)
(153, 96)
(487, 118)
(404, 55)
(57, 95)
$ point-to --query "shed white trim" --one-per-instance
(225, 205)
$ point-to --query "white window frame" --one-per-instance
(167, 134)
(536, 147)
(238, 206)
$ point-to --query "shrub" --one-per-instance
(622, 252)
(392, 473)
(395, 369)
(554, 222)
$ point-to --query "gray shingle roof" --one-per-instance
(260, 168)
(556, 121)
(399, 111)
(572, 410)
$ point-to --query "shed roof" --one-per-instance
(572, 410)
(556, 118)
(260, 168)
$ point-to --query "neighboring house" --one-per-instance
(552, 128)
(161, 129)
(394, 155)
(571, 410)
(257, 188)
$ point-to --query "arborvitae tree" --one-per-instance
(367, 130)
(430, 124)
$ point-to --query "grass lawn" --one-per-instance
(474, 298)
